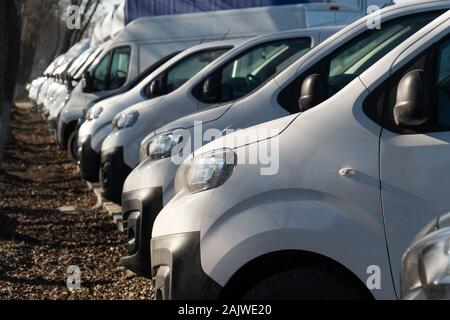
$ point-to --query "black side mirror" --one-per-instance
(154, 89)
(69, 82)
(88, 86)
(411, 108)
(311, 93)
(211, 90)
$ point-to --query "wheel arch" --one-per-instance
(271, 263)
(68, 130)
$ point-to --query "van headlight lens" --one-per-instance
(126, 120)
(162, 145)
(94, 113)
(426, 268)
(205, 172)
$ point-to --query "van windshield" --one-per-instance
(351, 57)
(248, 71)
(189, 67)
(86, 65)
(351, 61)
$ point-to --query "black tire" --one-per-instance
(72, 146)
(305, 284)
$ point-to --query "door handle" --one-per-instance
(347, 172)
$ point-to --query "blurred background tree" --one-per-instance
(45, 34)
(88, 10)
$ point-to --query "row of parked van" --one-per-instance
(299, 164)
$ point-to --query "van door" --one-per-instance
(415, 157)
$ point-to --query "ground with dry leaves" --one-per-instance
(36, 180)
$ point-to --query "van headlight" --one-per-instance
(207, 171)
(126, 120)
(162, 145)
(94, 113)
(426, 268)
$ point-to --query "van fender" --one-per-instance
(297, 220)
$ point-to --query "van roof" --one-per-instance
(208, 23)
(294, 32)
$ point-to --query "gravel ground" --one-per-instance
(35, 181)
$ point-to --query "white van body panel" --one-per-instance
(58, 101)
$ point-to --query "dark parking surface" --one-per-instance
(52, 224)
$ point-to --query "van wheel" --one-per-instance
(72, 146)
(305, 284)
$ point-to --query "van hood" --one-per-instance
(142, 106)
(205, 116)
(113, 105)
(252, 135)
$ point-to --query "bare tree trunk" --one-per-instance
(34, 22)
(9, 29)
(58, 33)
(9, 42)
(88, 21)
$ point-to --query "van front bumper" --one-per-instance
(113, 173)
(177, 270)
(140, 209)
(89, 161)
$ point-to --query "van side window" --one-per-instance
(120, 63)
(442, 84)
(242, 75)
(353, 58)
(181, 72)
(101, 74)
(112, 71)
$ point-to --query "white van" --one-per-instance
(49, 74)
(259, 59)
(68, 116)
(67, 84)
(171, 143)
(63, 65)
(59, 97)
(162, 81)
(426, 264)
(144, 41)
(348, 184)
(36, 84)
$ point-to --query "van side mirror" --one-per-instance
(411, 108)
(69, 82)
(154, 89)
(311, 93)
(211, 90)
(88, 85)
